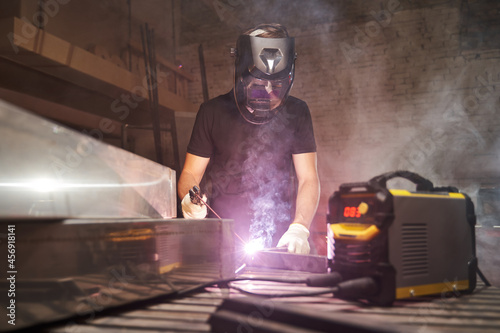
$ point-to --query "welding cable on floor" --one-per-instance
(225, 283)
(483, 277)
(351, 289)
(320, 280)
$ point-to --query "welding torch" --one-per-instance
(196, 197)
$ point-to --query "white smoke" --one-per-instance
(270, 204)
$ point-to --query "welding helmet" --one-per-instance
(263, 76)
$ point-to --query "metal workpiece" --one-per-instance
(91, 227)
(50, 171)
(73, 270)
(281, 259)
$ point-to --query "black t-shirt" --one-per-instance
(250, 170)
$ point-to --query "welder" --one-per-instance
(254, 148)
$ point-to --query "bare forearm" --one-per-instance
(186, 182)
(307, 202)
(192, 173)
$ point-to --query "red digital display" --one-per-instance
(351, 212)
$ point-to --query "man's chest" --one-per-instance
(239, 140)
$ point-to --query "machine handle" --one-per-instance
(422, 183)
(344, 188)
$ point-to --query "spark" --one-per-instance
(240, 268)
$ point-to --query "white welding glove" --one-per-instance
(296, 239)
(191, 210)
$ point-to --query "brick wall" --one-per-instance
(389, 88)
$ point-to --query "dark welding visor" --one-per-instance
(265, 58)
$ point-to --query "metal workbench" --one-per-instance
(92, 245)
(451, 312)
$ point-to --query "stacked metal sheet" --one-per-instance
(86, 227)
(48, 170)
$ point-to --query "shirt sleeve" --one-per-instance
(201, 142)
(304, 133)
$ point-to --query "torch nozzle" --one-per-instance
(194, 195)
(196, 198)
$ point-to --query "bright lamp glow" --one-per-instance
(44, 185)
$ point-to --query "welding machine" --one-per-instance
(412, 243)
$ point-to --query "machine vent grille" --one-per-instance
(415, 256)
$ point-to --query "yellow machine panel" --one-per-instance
(413, 243)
